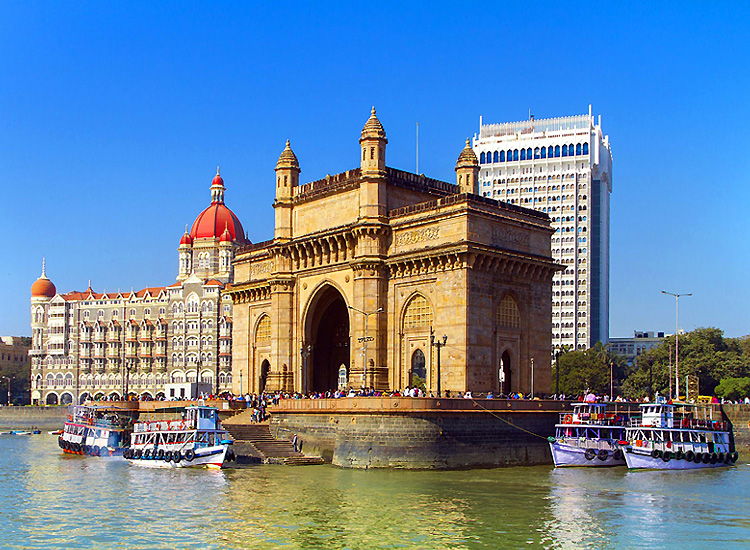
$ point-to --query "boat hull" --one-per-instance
(566, 456)
(644, 461)
(205, 457)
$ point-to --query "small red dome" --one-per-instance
(43, 288)
(225, 237)
(186, 238)
(217, 179)
(214, 220)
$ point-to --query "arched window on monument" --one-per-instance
(418, 313)
(263, 332)
(508, 315)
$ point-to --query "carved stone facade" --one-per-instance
(369, 264)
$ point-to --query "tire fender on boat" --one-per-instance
(590, 454)
(176, 456)
(666, 456)
(618, 454)
(602, 455)
(735, 456)
(689, 456)
(656, 453)
(190, 455)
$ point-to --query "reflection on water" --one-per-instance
(50, 500)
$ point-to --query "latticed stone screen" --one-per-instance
(508, 315)
(418, 313)
(263, 335)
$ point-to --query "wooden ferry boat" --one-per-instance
(95, 430)
(589, 436)
(193, 439)
(678, 437)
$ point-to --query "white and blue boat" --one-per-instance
(590, 435)
(183, 437)
(678, 436)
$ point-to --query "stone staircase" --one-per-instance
(255, 441)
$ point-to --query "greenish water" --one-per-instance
(51, 500)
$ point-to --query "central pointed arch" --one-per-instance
(326, 345)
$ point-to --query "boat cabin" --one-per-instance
(658, 415)
(587, 413)
(204, 418)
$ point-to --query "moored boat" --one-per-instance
(589, 436)
(678, 437)
(193, 437)
(96, 430)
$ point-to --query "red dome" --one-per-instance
(217, 179)
(43, 288)
(213, 220)
(186, 238)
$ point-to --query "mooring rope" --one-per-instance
(506, 421)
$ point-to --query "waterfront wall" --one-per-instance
(420, 433)
(739, 415)
(21, 418)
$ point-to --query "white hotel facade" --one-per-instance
(563, 167)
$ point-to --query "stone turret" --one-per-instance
(287, 178)
(373, 142)
(467, 170)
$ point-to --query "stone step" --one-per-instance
(256, 438)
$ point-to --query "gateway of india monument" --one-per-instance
(376, 276)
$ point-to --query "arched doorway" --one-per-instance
(327, 331)
(66, 399)
(418, 369)
(265, 367)
(504, 373)
(51, 399)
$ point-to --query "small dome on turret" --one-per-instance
(218, 180)
(43, 287)
(287, 159)
(467, 156)
(226, 237)
(186, 238)
(373, 128)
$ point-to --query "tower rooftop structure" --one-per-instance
(211, 223)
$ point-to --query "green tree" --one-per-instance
(734, 388)
(589, 369)
(704, 353)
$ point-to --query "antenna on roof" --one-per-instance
(417, 148)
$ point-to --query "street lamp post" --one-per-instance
(364, 339)
(197, 375)
(677, 340)
(438, 345)
(305, 353)
(557, 374)
(532, 378)
(8, 379)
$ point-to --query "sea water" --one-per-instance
(52, 500)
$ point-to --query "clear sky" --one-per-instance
(114, 116)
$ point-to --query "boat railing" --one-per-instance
(686, 424)
(602, 419)
(162, 426)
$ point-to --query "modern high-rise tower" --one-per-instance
(563, 167)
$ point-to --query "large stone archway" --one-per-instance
(327, 340)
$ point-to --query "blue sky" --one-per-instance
(114, 118)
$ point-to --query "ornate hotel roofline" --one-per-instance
(534, 126)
